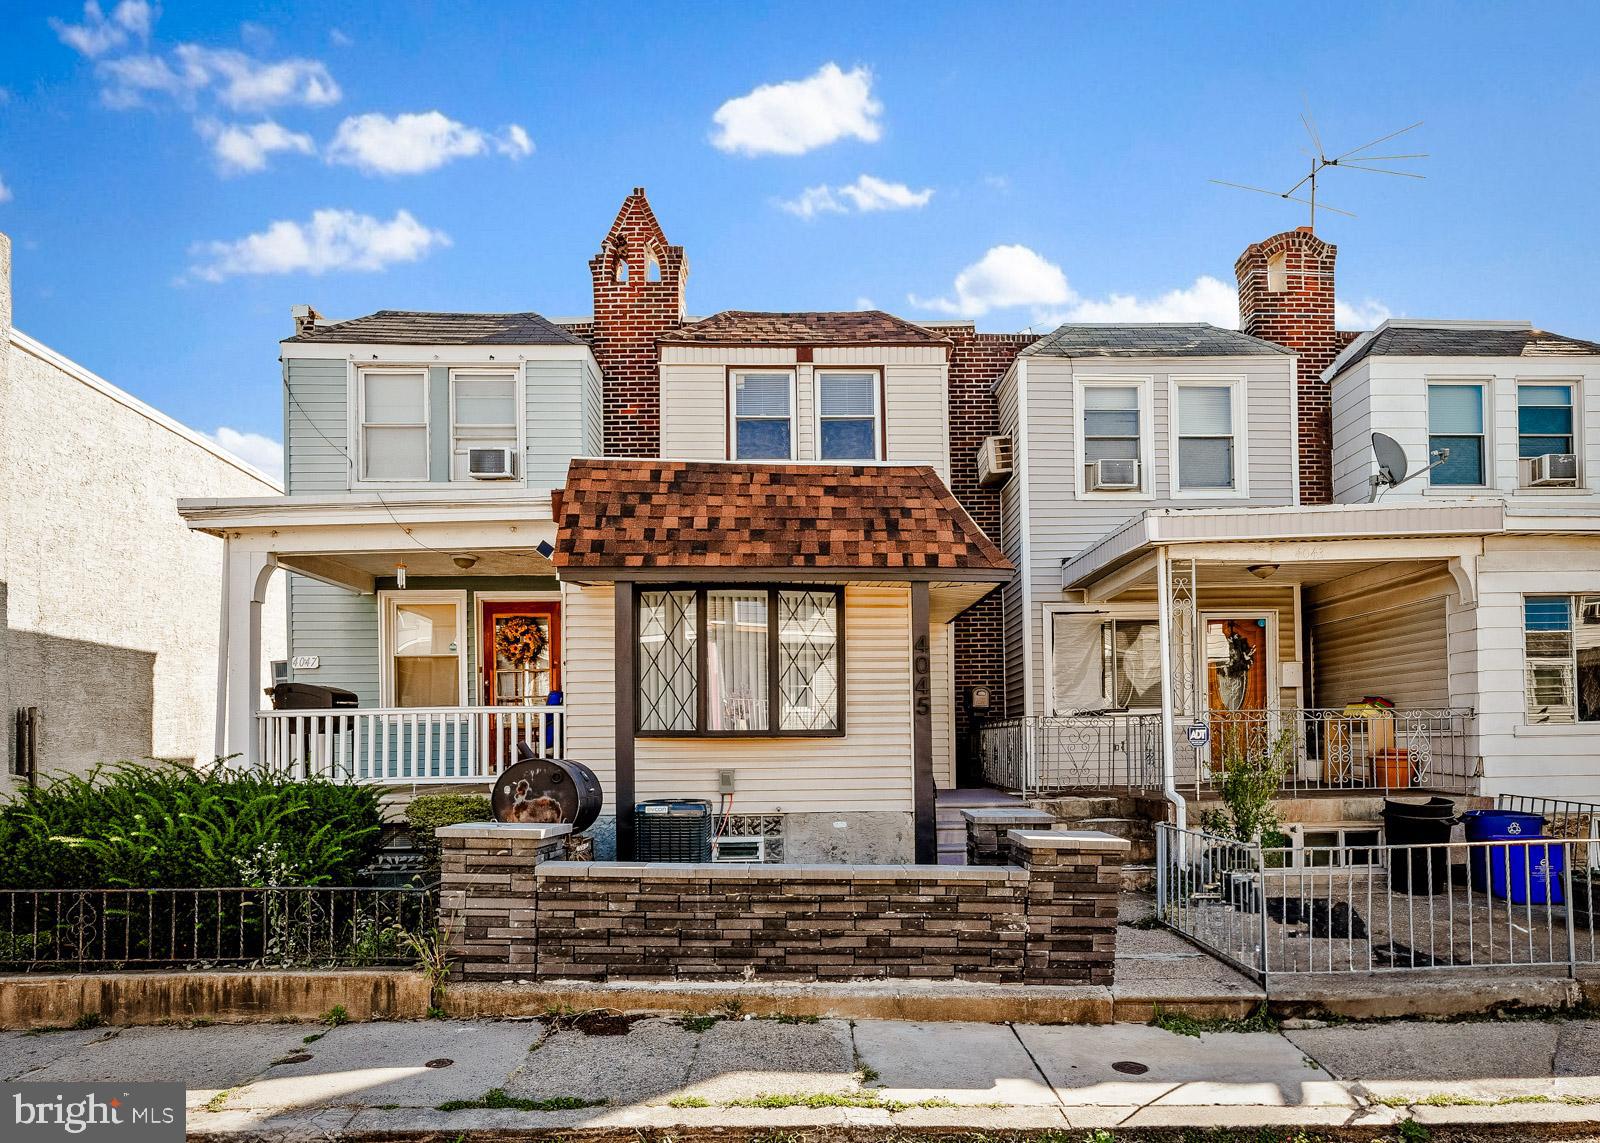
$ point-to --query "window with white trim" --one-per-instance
(847, 416)
(1455, 422)
(763, 416)
(423, 636)
(1561, 650)
(1113, 425)
(394, 424)
(1205, 438)
(483, 413)
(1544, 420)
(1099, 663)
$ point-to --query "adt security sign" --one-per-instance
(1199, 734)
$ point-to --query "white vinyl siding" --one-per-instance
(1050, 474)
(1387, 637)
(914, 400)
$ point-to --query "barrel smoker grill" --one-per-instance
(546, 791)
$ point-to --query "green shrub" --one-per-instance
(427, 812)
(161, 825)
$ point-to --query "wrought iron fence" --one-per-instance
(279, 927)
(1035, 755)
(1381, 908)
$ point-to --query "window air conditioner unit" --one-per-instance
(491, 463)
(1553, 468)
(995, 461)
(1112, 475)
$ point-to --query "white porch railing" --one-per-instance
(406, 744)
(1403, 749)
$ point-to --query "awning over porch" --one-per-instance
(1304, 544)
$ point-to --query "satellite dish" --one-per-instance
(1391, 458)
(1393, 469)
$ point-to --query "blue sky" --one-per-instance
(175, 178)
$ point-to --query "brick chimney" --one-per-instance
(638, 296)
(305, 317)
(1286, 296)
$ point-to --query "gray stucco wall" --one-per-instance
(110, 604)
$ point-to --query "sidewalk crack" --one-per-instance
(1029, 1052)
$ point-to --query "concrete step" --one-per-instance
(1133, 829)
(1071, 809)
(1137, 877)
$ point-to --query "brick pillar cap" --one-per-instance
(1003, 815)
(1084, 840)
(531, 830)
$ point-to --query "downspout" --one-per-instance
(1169, 779)
(220, 743)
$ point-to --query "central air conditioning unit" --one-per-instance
(996, 461)
(491, 463)
(1112, 475)
(1553, 468)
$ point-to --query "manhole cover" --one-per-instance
(440, 1063)
(1129, 1067)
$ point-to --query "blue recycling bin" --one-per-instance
(1521, 874)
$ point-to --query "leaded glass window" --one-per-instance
(808, 660)
(668, 679)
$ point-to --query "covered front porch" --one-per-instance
(426, 635)
(1331, 647)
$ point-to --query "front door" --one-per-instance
(520, 645)
(1236, 659)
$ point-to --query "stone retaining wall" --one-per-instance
(513, 910)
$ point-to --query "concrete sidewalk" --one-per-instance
(622, 1074)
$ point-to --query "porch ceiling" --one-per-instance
(1140, 578)
(357, 571)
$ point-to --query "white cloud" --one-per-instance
(1207, 299)
(330, 240)
(235, 80)
(252, 448)
(99, 33)
(864, 303)
(245, 83)
(413, 143)
(800, 115)
(338, 38)
(1366, 314)
(241, 148)
(1005, 276)
(5, 191)
(865, 194)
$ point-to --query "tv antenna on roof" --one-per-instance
(1392, 464)
(1356, 159)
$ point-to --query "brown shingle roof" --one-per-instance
(411, 327)
(853, 327)
(697, 515)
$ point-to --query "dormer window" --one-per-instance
(1544, 420)
(1455, 422)
(847, 416)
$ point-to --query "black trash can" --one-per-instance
(1418, 823)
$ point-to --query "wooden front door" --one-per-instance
(1236, 658)
(521, 648)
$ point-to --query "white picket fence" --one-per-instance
(406, 744)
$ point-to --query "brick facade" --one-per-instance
(513, 909)
(1298, 316)
(638, 295)
(977, 361)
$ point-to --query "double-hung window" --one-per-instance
(1205, 438)
(1561, 648)
(847, 416)
(424, 637)
(1098, 663)
(483, 413)
(394, 424)
(761, 661)
(1544, 420)
(1455, 422)
(763, 416)
(1113, 424)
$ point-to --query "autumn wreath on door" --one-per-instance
(520, 640)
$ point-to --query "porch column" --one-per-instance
(245, 582)
(922, 792)
(1174, 684)
(627, 649)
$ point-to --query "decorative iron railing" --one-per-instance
(1082, 751)
(276, 927)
